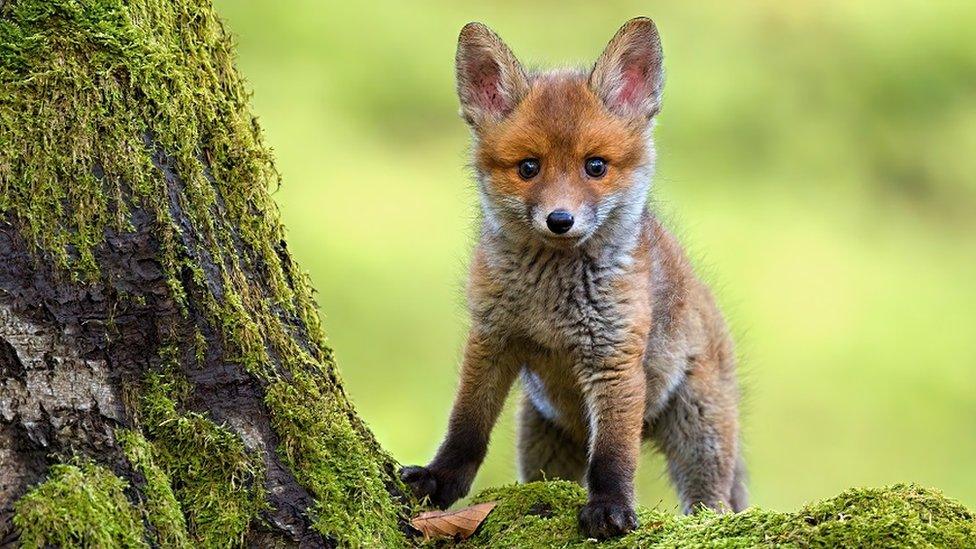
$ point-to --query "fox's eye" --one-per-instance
(528, 168)
(595, 167)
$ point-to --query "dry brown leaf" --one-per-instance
(448, 524)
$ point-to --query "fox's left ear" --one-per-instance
(629, 75)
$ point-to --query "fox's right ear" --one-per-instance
(490, 80)
(629, 75)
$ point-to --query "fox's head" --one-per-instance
(562, 155)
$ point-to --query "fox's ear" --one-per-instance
(629, 75)
(490, 80)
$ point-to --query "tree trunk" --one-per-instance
(158, 345)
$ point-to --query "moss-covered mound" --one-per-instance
(904, 515)
(83, 504)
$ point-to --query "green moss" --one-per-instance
(322, 446)
(81, 504)
(243, 335)
(218, 484)
(544, 515)
(160, 506)
(541, 510)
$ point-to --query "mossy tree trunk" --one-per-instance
(163, 376)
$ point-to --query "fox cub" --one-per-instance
(576, 287)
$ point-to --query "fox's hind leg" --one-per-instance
(545, 451)
(740, 495)
(698, 432)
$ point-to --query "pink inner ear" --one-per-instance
(634, 86)
(485, 79)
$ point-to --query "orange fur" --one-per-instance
(562, 121)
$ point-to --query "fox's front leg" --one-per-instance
(614, 389)
(487, 373)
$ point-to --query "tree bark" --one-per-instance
(148, 300)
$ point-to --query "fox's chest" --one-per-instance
(567, 305)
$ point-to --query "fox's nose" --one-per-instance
(559, 221)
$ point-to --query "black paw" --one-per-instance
(605, 519)
(441, 489)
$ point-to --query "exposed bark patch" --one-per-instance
(52, 401)
(48, 378)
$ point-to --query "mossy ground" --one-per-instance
(83, 504)
(544, 515)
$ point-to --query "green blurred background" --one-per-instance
(817, 158)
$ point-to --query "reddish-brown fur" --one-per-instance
(561, 120)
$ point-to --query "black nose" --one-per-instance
(559, 221)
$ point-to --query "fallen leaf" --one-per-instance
(448, 524)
